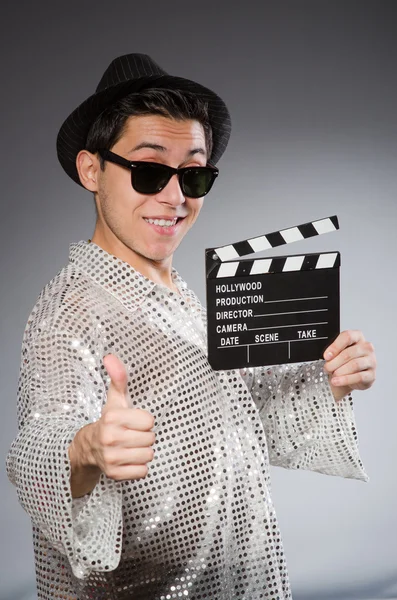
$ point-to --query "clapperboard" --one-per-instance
(276, 310)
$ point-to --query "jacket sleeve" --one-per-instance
(305, 427)
(60, 389)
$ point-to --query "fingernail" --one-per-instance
(335, 380)
(328, 355)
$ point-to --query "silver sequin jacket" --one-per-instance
(202, 523)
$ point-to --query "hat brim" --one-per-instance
(73, 133)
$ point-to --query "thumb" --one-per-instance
(117, 392)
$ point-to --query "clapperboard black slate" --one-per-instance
(276, 310)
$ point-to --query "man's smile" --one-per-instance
(164, 224)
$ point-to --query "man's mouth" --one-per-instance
(163, 222)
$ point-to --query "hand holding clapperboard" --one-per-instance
(269, 311)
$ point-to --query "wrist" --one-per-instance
(338, 392)
(80, 450)
(85, 473)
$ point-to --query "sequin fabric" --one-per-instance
(202, 523)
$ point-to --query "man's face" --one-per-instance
(131, 218)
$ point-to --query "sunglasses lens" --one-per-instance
(197, 182)
(149, 179)
(152, 178)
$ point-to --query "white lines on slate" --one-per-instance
(266, 343)
(282, 326)
(296, 299)
(294, 312)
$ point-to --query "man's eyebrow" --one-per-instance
(147, 145)
(160, 148)
(197, 151)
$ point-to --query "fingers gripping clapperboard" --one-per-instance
(276, 310)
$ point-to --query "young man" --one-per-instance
(146, 473)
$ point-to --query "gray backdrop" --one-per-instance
(311, 86)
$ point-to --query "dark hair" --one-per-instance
(109, 126)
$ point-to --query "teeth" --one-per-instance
(162, 222)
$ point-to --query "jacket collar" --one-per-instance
(121, 280)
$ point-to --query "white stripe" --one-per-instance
(261, 266)
(268, 343)
(293, 263)
(325, 261)
(227, 253)
(292, 235)
(228, 269)
(324, 226)
(260, 243)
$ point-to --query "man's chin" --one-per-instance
(161, 254)
(154, 253)
(158, 256)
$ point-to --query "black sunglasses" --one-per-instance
(151, 177)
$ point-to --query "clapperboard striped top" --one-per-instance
(228, 266)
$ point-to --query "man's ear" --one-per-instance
(88, 167)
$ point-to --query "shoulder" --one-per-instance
(66, 303)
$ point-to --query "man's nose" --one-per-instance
(172, 193)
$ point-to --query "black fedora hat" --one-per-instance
(127, 74)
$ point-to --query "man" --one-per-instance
(146, 473)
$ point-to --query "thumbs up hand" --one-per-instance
(121, 441)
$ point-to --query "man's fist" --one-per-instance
(121, 440)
